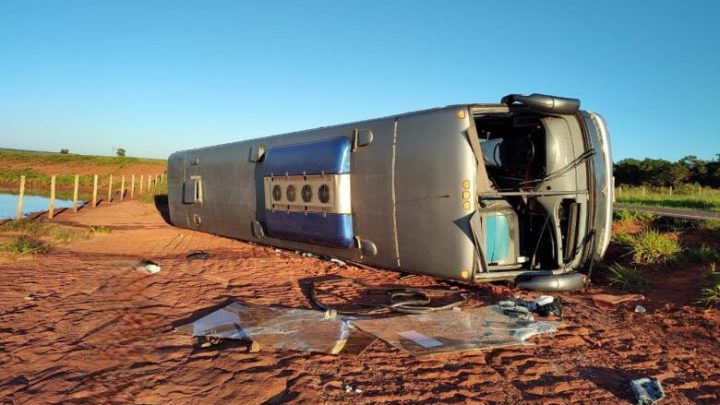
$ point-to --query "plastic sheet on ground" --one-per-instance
(454, 331)
(281, 328)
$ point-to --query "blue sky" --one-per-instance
(158, 76)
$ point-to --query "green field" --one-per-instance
(25, 163)
(13, 155)
(689, 197)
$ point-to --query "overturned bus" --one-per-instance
(520, 190)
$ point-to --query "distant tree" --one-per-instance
(697, 168)
(679, 174)
(120, 152)
(660, 172)
(627, 171)
(64, 151)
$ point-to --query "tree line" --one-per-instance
(664, 173)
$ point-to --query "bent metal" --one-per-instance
(518, 190)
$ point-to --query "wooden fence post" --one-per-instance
(670, 190)
(110, 190)
(95, 184)
(132, 186)
(122, 187)
(75, 193)
(21, 195)
(51, 208)
(643, 191)
(142, 178)
(149, 183)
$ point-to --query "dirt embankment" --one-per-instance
(81, 325)
(37, 168)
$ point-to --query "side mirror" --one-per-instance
(545, 103)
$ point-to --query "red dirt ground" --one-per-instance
(80, 325)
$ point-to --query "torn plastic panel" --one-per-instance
(420, 335)
(454, 331)
(281, 328)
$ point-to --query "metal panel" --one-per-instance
(434, 165)
(602, 172)
(333, 230)
(372, 187)
(234, 190)
(326, 156)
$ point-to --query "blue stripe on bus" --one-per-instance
(331, 156)
(333, 230)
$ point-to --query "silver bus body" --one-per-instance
(467, 192)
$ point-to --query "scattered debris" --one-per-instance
(544, 305)
(201, 255)
(520, 310)
(31, 297)
(454, 331)
(326, 332)
(308, 254)
(148, 267)
(515, 311)
(640, 309)
(281, 328)
(647, 390)
(409, 300)
(609, 302)
(338, 262)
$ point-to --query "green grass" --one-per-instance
(26, 227)
(685, 197)
(30, 157)
(628, 278)
(24, 245)
(55, 232)
(156, 195)
(703, 254)
(710, 225)
(623, 238)
(653, 248)
(33, 177)
(711, 293)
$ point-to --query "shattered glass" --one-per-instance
(420, 335)
(454, 331)
(281, 328)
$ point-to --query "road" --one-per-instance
(671, 212)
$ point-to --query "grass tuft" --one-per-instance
(623, 238)
(711, 294)
(26, 227)
(24, 245)
(702, 254)
(652, 247)
(56, 232)
(628, 278)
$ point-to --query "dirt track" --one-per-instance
(81, 325)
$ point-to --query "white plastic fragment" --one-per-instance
(148, 267)
(640, 309)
